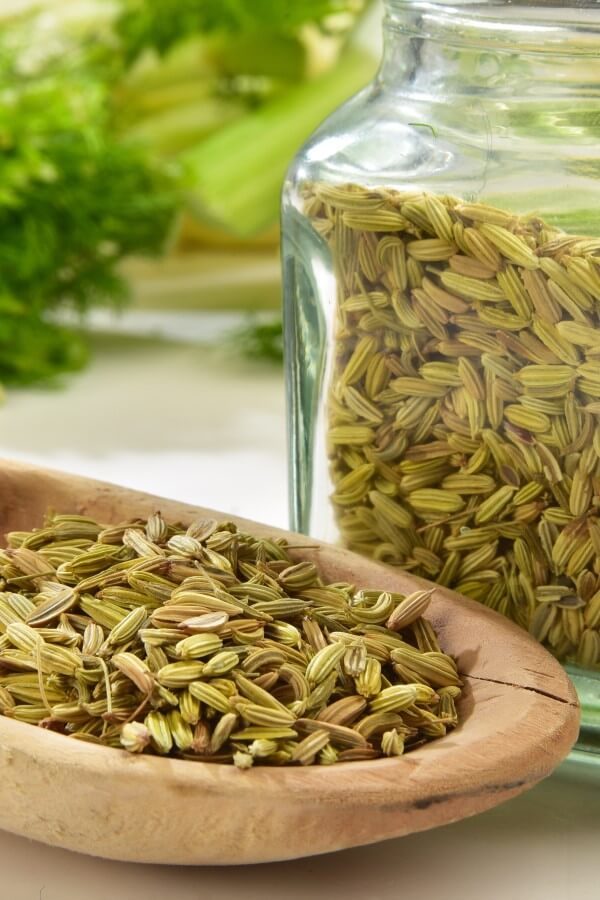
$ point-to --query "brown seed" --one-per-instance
(409, 609)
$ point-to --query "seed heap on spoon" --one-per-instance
(212, 644)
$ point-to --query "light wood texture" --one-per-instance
(519, 718)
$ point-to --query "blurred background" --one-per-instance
(143, 144)
(142, 150)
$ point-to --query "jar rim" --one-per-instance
(490, 5)
(503, 10)
(553, 26)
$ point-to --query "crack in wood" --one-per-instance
(524, 687)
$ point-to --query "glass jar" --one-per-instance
(441, 257)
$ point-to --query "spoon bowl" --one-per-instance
(518, 719)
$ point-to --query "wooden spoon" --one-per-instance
(519, 718)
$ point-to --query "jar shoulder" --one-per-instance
(383, 137)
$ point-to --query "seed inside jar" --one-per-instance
(463, 405)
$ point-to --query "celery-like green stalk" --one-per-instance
(184, 62)
(235, 176)
(284, 57)
(135, 105)
(180, 127)
(214, 280)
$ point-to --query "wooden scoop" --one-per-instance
(519, 718)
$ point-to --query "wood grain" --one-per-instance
(519, 718)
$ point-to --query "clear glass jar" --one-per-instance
(441, 256)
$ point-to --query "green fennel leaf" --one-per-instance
(145, 23)
(74, 201)
(259, 340)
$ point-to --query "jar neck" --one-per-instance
(503, 48)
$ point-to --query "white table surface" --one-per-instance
(193, 424)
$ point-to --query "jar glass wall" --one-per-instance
(441, 255)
